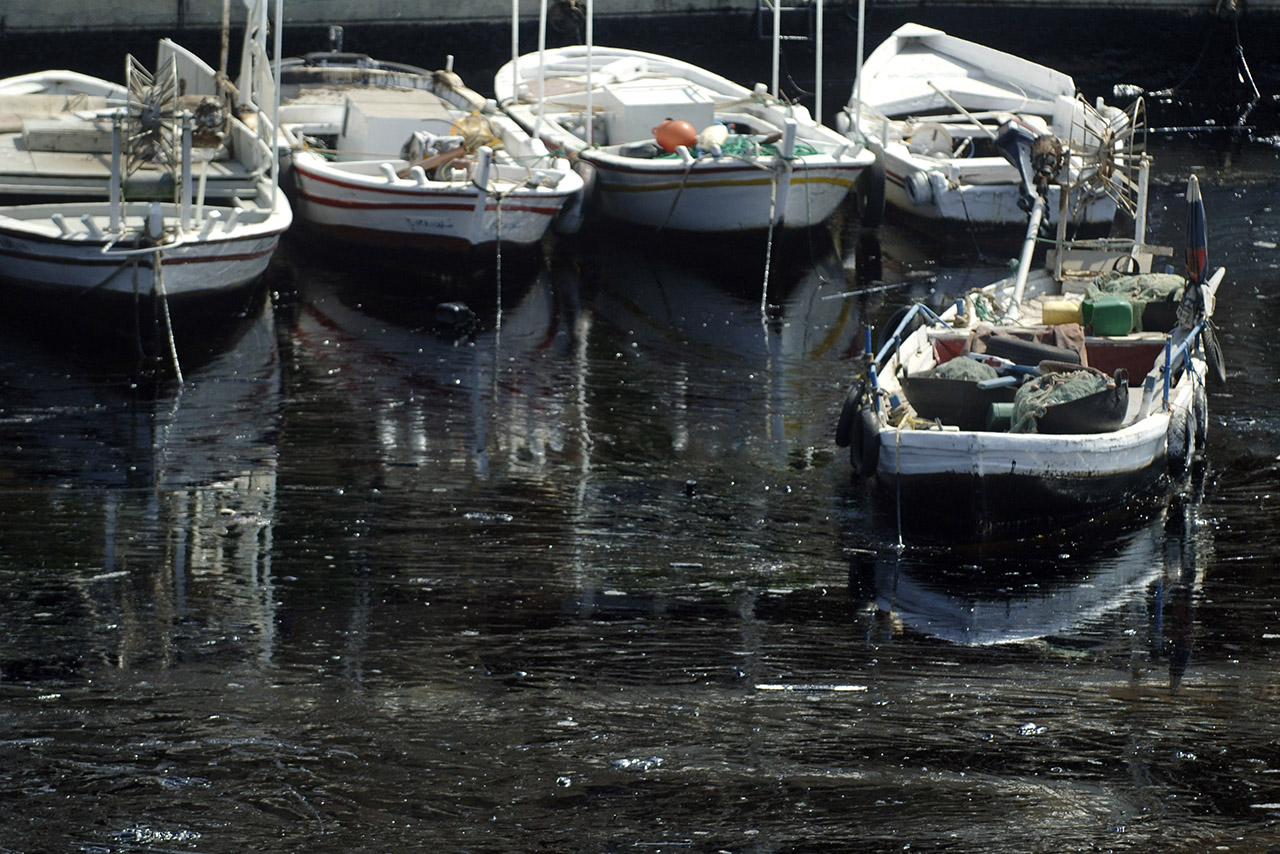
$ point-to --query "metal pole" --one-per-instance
(1028, 248)
(117, 178)
(777, 43)
(817, 72)
(515, 43)
(542, 66)
(275, 117)
(857, 119)
(591, 40)
(184, 210)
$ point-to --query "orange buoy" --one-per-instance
(673, 132)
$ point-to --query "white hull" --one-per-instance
(503, 188)
(44, 258)
(359, 202)
(721, 196)
(919, 101)
(692, 189)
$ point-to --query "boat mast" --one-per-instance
(777, 42)
(591, 35)
(542, 66)
(275, 110)
(857, 82)
(817, 71)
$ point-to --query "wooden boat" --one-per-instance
(671, 146)
(931, 104)
(152, 231)
(1013, 466)
(397, 157)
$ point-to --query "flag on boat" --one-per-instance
(1197, 233)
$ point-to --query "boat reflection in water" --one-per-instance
(170, 493)
(729, 364)
(454, 374)
(1105, 588)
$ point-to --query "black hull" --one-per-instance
(954, 507)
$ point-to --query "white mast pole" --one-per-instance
(817, 105)
(857, 120)
(591, 35)
(777, 42)
(542, 65)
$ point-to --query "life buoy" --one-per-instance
(849, 413)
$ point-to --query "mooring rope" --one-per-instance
(164, 307)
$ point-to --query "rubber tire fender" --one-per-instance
(864, 446)
(849, 413)
(1179, 441)
(1200, 412)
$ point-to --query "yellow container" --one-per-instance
(1058, 311)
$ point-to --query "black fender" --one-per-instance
(864, 445)
(849, 414)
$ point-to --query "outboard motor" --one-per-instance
(1038, 158)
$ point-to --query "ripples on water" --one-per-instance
(599, 579)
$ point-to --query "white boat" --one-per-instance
(396, 157)
(151, 226)
(969, 420)
(931, 105)
(671, 146)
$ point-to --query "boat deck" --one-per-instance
(59, 146)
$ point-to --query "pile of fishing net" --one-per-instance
(963, 369)
(1140, 289)
(1035, 396)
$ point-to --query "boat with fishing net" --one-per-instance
(670, 146)
(1048, 395)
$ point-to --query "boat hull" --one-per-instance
(376, 212)
(949, 209)
(721, 196)
(952, 505)
(931, 105)
(57, 268)
(742, 186)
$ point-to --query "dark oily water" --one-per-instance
(595, 577)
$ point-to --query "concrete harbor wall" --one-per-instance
(31, 16)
